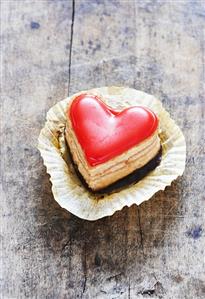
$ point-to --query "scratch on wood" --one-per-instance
(147, 292)
(102, 291)
(71, 44)
(65, 245)
(84, 268)
(156, 289)
(141, 234)
(114, 276)
(129, 289)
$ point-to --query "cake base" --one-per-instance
(131, 178)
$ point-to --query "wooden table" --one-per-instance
(55, 48)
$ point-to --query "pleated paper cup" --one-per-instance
(68, 190)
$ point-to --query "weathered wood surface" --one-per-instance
(50, 49)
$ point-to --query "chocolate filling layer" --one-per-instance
(132, 178)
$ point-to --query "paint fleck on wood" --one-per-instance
(34, 25)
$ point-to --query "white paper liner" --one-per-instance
(66, 187)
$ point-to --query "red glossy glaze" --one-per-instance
(104, 133)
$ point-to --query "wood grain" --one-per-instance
(50, 49)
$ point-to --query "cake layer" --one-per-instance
(131, 178)
(104, 174)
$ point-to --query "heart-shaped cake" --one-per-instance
(108, 145)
